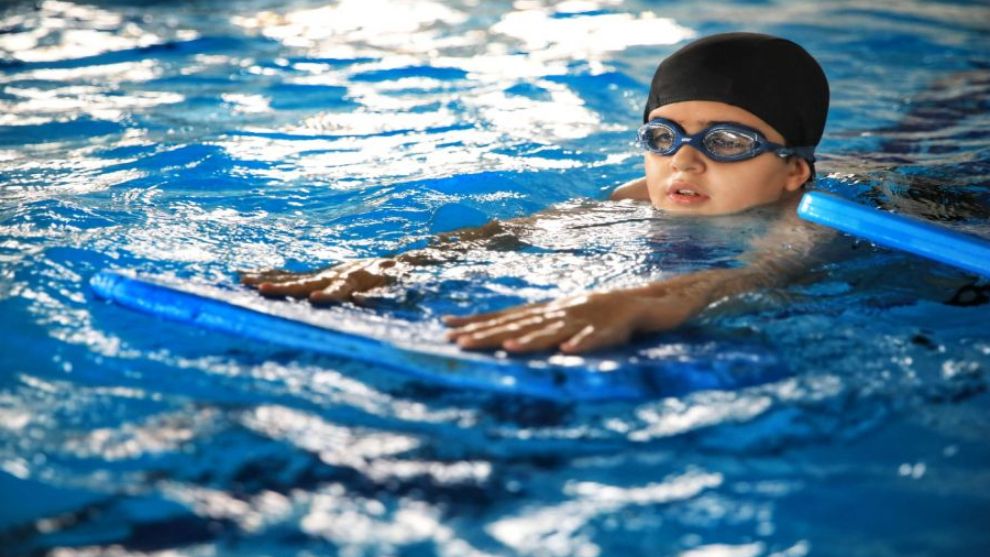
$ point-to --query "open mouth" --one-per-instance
(685, 194)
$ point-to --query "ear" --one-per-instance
(798, 173)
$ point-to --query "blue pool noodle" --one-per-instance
(908, 234)
(445, 365)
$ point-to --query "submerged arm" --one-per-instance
(600, 319)
(355, 280)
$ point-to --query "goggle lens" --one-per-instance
(729, 144)
(661, 138)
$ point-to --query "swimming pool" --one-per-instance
(192, 138)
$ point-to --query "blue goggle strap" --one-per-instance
(806, 153)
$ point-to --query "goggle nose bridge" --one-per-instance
(697, 141)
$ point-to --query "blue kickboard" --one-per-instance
(665, 366)
(909, 234)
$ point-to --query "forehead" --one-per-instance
(694, 116)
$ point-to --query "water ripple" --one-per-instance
(198, 139)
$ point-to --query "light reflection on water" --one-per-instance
(198, 139)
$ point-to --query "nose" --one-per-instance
(687, 159)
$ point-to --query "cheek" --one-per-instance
(773, 177)
(655, 173)
(758, 183)
(652, 165)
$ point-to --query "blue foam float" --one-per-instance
(909, 234)
(665, 365)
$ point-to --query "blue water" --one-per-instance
(194, 138)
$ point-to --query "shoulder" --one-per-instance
(633, 189)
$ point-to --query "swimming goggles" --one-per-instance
(721, 142)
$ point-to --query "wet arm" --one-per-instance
(596, 320)
(356, 280)
(449, 246)
(353, 280)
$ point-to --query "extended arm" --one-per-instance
(354, 280)
(599, 319)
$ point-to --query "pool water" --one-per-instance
(191, 139)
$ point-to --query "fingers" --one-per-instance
(343, 289)
(493, 334)
(334, 285)
(464, 320)
(254, 278)
(571, 329)
(370, 297)
(542, 339)
(592, 338)
(295, 288)
(474, 324)
(336, 292)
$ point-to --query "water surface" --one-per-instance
(194, 138)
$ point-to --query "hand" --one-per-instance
(573, 324)
(347, 282)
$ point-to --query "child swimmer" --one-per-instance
(731, 123)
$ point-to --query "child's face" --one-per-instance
(718, 187)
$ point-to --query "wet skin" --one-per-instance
(686, 183)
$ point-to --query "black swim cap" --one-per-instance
(771, 77)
